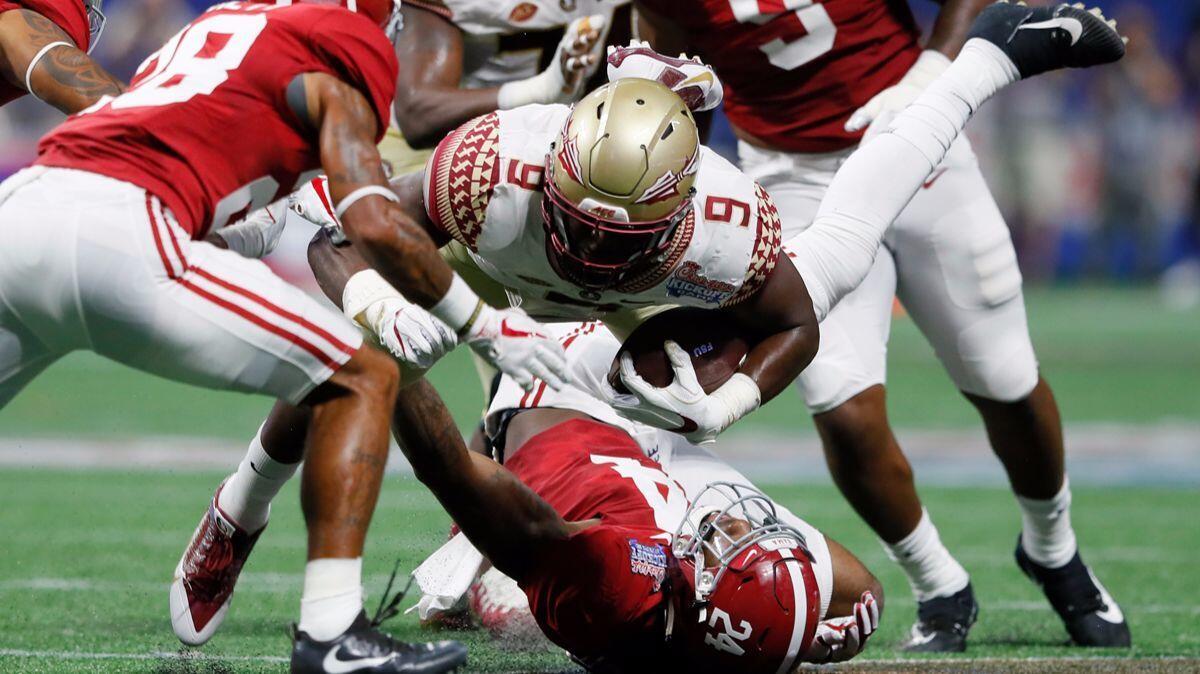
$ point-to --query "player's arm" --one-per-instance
(387, 237)
(949, 34)
(398, 247)
(505, 519)
(783, 312)
(39, 57)
(429, 101)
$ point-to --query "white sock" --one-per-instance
(932, 571)
(333, 597)
(934, 120)
(1046, 532)
(247, 495)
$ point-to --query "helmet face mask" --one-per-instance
(597, 247)
(705, 529)
(743, 594)
(619, 183)
(96, 21)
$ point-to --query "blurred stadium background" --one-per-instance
(1098, 174)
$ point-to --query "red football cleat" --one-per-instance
(207, 573)
(503, 610)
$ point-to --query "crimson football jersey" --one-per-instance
(795, 70)
(69, 15)
(599, 594)
(206, 126)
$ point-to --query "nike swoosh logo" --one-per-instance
(255, 469)
(1111, 613)
(510, 332)
(333, 665)
(916, 638)
(933, 178)
(1072, 26)
(701, 78)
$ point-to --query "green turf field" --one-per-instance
(1112, 355)
(87, 559)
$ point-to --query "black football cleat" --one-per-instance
(1089, 613)
(943, 623)
(364, 649)
(1038, 39)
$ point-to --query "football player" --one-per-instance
(113, 244)
(44, 47)
(471, 57)
(803, 80)
(569, 241)
(632, 553)
(564, 475)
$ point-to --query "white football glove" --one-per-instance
(574, 61)
(683, 406)
(415, 338)
(839, 639)
(895, 98)
(517, 346)
(695, 82)
(313, 203)
(256, 235)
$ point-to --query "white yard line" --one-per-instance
(1104, 454)
(281, 582)
(159, 655)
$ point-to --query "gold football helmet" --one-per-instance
(619, 182)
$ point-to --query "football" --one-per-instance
(716, 343)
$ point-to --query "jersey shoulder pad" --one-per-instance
(764, 253)
(461, 176)
(357, 52)
(736, 240)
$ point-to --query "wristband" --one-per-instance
(361, 193)
(459, 307)
(362, 290)
(33, 63)
(738, 397)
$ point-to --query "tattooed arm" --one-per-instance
(391, 242)
(505, 519)
(64, 76)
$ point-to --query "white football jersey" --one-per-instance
(483, 188)
(500, 39)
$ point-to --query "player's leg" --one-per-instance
(154, 300)
(960, 282)
(844, 390)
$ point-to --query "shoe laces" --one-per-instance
(211, 563)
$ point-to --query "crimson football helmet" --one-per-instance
(744, 594)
